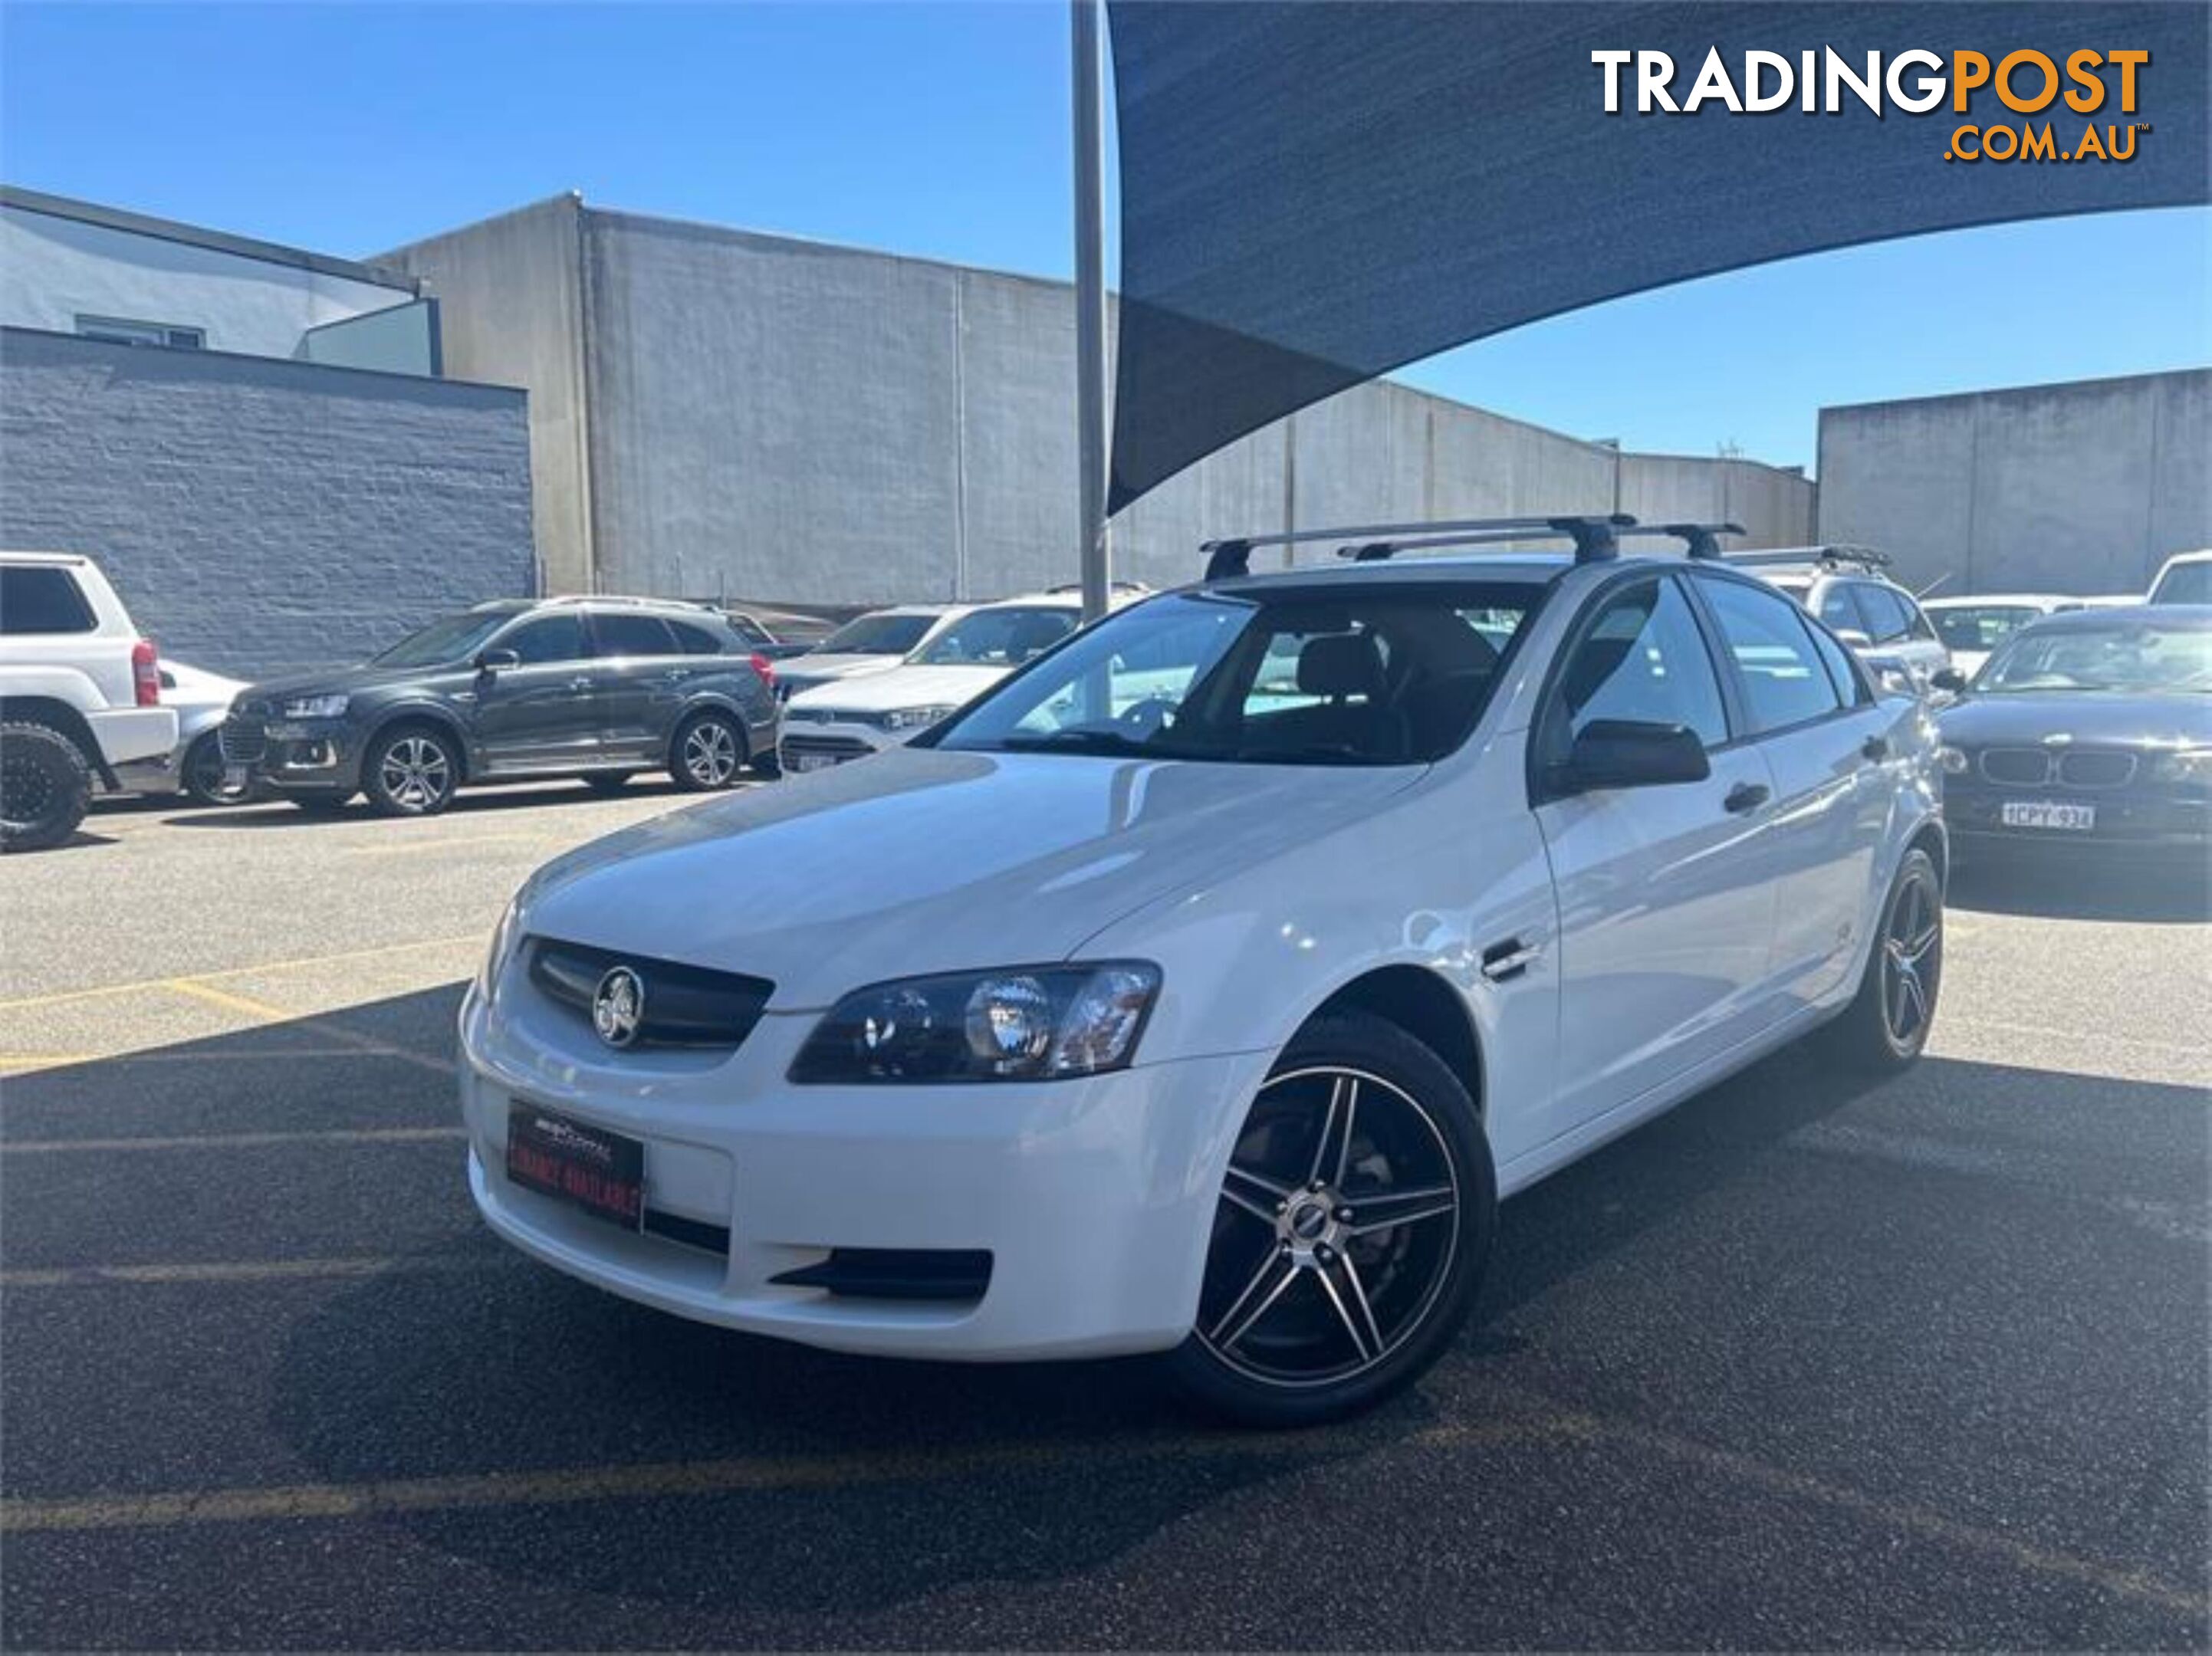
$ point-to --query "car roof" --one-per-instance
(2180, 617)
(44, 557)
(1963, 600)
(2202, 555)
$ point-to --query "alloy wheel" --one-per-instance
(710, 753)
(1336, 1233)
(415, 773)
(1912, 959)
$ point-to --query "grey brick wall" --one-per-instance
(256, 514)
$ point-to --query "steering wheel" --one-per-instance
(1147, 718)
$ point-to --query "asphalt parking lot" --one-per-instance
(1805, 1364)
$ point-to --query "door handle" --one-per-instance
(1874, 749)
(1745, 797)
(579, 684)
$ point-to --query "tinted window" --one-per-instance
(632, 636)
(877, 635)
(2186, 582)
(456, 638)
(998, 638)
(1843, 668)
(748, 629)
(695, 640)
(42, 598)
(1839, 612)
(1888, 617)
(557, 638)
(1783, 679)
(1980, 626)
(1642, 659)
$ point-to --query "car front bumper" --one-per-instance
(1094, 1198)
(2127, 819)
(294, 755)
(814, 744)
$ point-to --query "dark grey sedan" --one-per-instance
(599, 688)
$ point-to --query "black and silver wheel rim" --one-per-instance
(710, 753)
(27, 793)
(415, 773)
(1911, 959)
(1336, 1230)
(204, 772)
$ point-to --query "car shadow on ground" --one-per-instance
(463, 1360)
(2169, 890)
(471, 802)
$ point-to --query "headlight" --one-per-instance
(1027, 1024)
(504, 936)
(2191, 765)
(908, 718)
(1953, 759)
(316, 706)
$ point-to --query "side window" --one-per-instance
(694, 639)
(1843, 668)
(1916, 620)
(1784, 680)
(748, 629)
(555, 637)
(620, 634)
(1885, 613)
(42, 598)
(1838, 611)
(1642, 658)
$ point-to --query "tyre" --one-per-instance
(1350, 1235)
(412, 771)
(45, 787)
(202, 775)
(708, 752)
(608, 782)
(1887, 1022)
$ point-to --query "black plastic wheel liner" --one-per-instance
(1315, 193)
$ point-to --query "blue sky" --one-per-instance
(942, 130)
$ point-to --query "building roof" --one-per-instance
(192, 235)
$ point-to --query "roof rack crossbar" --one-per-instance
(1834, 554)
(1700, 540)
(1225, 558)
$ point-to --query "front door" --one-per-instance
(539, 714)
(1666, 916)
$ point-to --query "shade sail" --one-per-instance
(1314, 193)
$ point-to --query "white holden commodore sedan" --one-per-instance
(1201, 988)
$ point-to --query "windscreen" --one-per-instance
(1390, 675)
(877, 636)
(2138, 658)
(2186, 583)
(455, 638)
(998, 638)
(1980, 626)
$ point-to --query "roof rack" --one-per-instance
(1833, 556)
(1596, 539)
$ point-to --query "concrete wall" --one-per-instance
(2079, 487)
(781, 421)
(54, 269)
(258, 514)
(511, 305)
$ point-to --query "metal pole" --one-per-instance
(1089, 309)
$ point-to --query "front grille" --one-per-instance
(896, 1273)
(810, 715)
(2016, 768)
(2097, 767)
(836, 747)
(684, 1006)
(243, 741)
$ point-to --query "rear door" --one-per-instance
(1666, 909)
(539, 714)
(1805, 704)
(640, 676)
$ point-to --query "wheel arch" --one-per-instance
(713, 702)
(418, 713)
(1932, 837)
(60, 716)
(1427, 1006)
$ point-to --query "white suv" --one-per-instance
(80, 693)
(1845, 586)
(1201, 988)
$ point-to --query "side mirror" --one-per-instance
(491, 661)
(1948, 678)
(1854, 638)
(1625, 753)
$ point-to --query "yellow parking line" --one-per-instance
(238, 1141)
(28, 1003)
(455, 844)
(567, 1485)
(45, 1060)
(252, 1270)
(263, 1012)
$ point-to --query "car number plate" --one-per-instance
(812, 761)
(602, 1173)
(2047, 814)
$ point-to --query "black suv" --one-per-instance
(599, 689)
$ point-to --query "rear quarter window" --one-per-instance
(42, 598)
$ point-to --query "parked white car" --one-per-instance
(854, 717)
(1213, 1019)
(194, 767)
(1973, 628)
(2184, 578)
(873, 643)
(80, 693)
